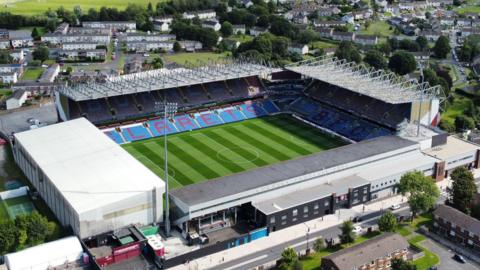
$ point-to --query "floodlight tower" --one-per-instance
(169, 110)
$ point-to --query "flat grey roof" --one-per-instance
(309, 194)
(244, 181)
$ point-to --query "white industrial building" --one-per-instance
(89, 182)
(46, 256)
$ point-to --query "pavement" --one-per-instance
(446, 257)
(268, 249)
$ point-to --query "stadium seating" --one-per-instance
(136, 105)
(347, 125)
(135, 133)
(123, 106)
(230, 114)
(157, 127)
(187, 122)
(252, 110)
(196, 95)
(147, 101)
(375, 110)
(208, 119)
(115, 136)
(96, 110)
(218, 90)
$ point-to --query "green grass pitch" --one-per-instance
(218, 151)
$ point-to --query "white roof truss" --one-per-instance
(378, 84)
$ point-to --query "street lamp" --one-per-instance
(308, 234)
(169, 110)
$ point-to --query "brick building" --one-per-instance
(373, 254)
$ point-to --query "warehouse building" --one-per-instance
(89, 182)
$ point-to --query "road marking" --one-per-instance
(247, 262)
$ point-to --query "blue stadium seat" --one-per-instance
(269, 106)
(135, 133)
(230, 114)
(157, 127)
(208, 119)
(114, 136)
(252, 110)
(185, 123)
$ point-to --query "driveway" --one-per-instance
(446, 260)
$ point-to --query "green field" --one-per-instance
(378, 28)
(32, 73)
(231, 148)
(34, 7)
(193, 58)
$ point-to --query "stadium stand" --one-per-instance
(191, 121)
(375, 110)
(131, 106)
(218, 90)
(347, 125)
(135, 133)
(157, 127)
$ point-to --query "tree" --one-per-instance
(375, 59)
(402, 62)
(387, 222)
(289, 256)
(319, 244)
(399, 264)
(157, 63)
(347, 236)
(5, 57)
(41, 53)
(8, 236)
(36, 34)
(347, 50)
(463, 190)
(442, 47)
(227, 29)
(447, 126)
(367, 24)
(421, 190)
(176, 46)
(463, 123)
(476, 211)
(69, 70)
(422, 42)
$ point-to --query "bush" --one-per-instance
(35, 63)
(446, 126)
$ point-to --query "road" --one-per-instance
(274, 253)
(446, 257)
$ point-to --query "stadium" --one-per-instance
(251, 148)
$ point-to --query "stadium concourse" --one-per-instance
(302, 142)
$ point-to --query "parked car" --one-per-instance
(357, 219)
(357, 229)
(459, 258)
(395, 206)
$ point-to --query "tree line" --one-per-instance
(25, 231)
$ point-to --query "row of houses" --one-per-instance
(9, 73)
(59, 39)
(146, 46)
(347, 36)
(16, 42)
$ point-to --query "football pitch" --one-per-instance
(218, 151)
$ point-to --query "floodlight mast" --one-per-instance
(169, 110)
